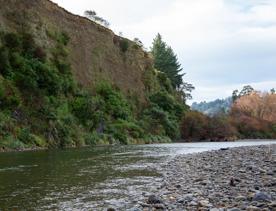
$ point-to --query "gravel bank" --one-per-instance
(229, 179)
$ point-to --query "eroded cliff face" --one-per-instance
(95, 52)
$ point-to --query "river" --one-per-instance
(89, 178)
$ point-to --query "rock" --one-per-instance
(159, 206)
(110, 209)
(260, 196)
(144, 205)
(214, 209)
(270, 173)
(204, 182)
(135, 209)
(178, 186)
(272, 204)
(199, 179)
(204, 203)
(188, 197)
(234, 209)
(193, 203)
(263, 171)
(241, 198)
(252, 208)
(232, 182)
(224, 149)
(153, 199)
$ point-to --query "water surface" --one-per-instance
(89, 178)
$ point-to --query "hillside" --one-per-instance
(67, 81)
(213, 107)
(95, 52)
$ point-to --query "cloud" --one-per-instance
(220, 43)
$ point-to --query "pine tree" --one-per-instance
(165, 60)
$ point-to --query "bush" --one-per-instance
(9, 95)
(115, 105)
(12, 41)
(167, 103)
(7, 125)
(163, 115)
(11, 143)
(26, 137)
(130, 129)
(88, 110)
(124, 45)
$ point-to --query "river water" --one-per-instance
(89, 178)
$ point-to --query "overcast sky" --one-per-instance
(221, 44)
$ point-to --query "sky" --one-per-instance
(221, 44)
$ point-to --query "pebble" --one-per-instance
(224, 180)
(260, 196)
(153, 199)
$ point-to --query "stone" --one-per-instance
(193, 203)
(260, 196)
(214, 209)
(178, 186)
(159, 206)
(135, 209)
(153, 199)
(234, 209)
(252, 208)
(272, 204)
(188, 197)
(204, 203)
(240, 198)
(144, 205)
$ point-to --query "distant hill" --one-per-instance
(214, 107)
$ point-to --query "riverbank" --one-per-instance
(230, 179)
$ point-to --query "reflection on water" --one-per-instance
(88, 178)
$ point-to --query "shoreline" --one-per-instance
(34, 149)
(241, 178)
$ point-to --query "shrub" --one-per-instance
(11, 143)
(124, 45)
(92, 138)
(12, 41)
(115, 105)
(130, 129)
(88, 109)
(194, 126)
(167, 103)
(26, 137)
(9, 95)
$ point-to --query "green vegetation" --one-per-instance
(41, 105)
(165, 60)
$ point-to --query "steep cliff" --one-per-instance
(95, 52)
(67, 81)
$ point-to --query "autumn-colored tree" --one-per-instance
(258, 105)
(254, 115)
(197, 126)
(193, 126)
(220, 128)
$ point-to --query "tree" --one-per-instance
(246, 90)
(165, 60)
(235, 95)
(258, 105)
(272, 91)
(92, 15)
(185, 91)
